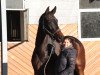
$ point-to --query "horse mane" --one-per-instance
(40, 33)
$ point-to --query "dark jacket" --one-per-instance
(65, 64)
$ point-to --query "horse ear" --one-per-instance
(47, 10)
(54, 10)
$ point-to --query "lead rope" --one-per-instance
(49, 58)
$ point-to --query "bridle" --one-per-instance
(50, 33)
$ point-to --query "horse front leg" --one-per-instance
(36, 63)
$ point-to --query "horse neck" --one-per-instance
(40, 36)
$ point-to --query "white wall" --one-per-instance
(67, 10)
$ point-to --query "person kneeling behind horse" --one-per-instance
(65, 64)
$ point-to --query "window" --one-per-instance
(17, 20)
(87, 4)
(13, 26)
(90, 24)
(17, 25)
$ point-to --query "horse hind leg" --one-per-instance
(36, 63)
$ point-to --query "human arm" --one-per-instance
(71, 61)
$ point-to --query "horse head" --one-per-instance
(50, 24)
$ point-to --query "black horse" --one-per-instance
(49, 38)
